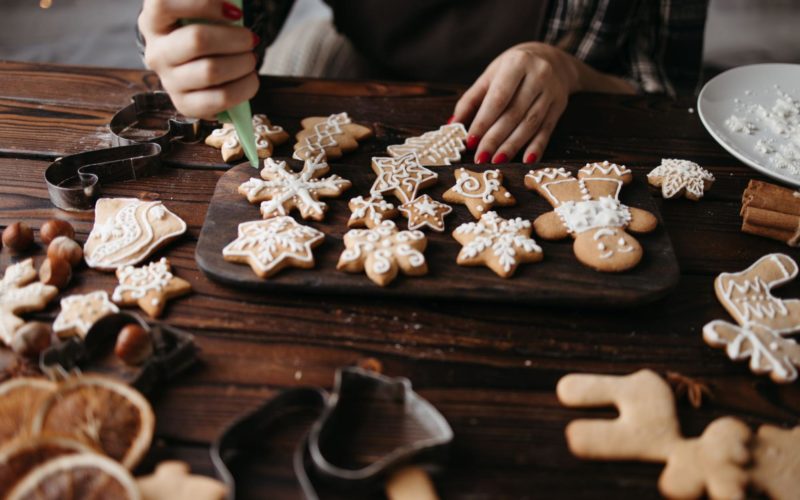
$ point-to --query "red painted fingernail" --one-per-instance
(472, 141)
(500, 158)
(531, 158)
(482, 157)
(230, 11)
(256, 40)
(451, 119)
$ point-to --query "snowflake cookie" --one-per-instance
(370, 211)
(332, 136)
(127, 230)
(424, 211)
(765, 322)
(497, 243)
(681, 177)
(402, 176)
(80, 312)
(382, 251)
(435, 148)
(588, 209)
(479, 191)
(273, 244)
(267, 137)
(18, 294)
(281, 189)
(149, 286)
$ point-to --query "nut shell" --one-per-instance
(134, 345)
(31, 339)
(18, 237)
(54, 228)
(55, 272)
(65, 249)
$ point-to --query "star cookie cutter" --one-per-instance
(174, 351)
(318, 458)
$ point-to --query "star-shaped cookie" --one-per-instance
(382, 251)
(172, 481)
(425, 211)
(369, 211)
(681, 177)
(281, 189)
(273, 244)
(497, 243)
(267, 137)
(149, 286)
(402, 176)
(479, 191)
(80, 312)
(19, 295)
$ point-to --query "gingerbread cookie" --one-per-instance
(127, 230)
(589, 210)
(647, 429)
(80, 312)
(435, 148)
(333, 135)
(776, 462)
(424, 211)
(172, 481)
(497, 243)
(681, 177)
(18, 294)
(369, 212)
(267, 137)
(479, 191)
(273, 244)
(149, 286)
(402, 176)
(281, 189)
(765, 322)
(382, 251)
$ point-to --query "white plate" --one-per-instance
(753, 84)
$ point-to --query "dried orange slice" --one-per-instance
(19, 399)
(103, 412)
(77, 477)
(19, 456)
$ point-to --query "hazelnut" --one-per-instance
(55, 272)
(134, 345)
(66, 249)
(31, 339)
(18, 237)
(54, 228)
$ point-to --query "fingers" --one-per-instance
(195, 41)
(161, 16)
(208, 102)
(209, 72)
(501, 91)
(470, 101)
(536, 148)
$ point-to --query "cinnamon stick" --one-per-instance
(761, 194)
(771, 211)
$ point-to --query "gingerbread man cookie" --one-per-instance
(369, 212)
(765, 322)
(424, 211)
(589, 210)
(332, 136)
(681, 177)
(435, 148)
(776, 462)
(80, 312)
(382, 251)
(273, 244)
(402, 176)
(149, 286)
(172, 481)
(267, 137)
(647, 429)
(281, 189)
(497, 243)
(479, 191)
(127, 230)
(18, 294)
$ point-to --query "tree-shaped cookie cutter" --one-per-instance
(355, 389)
(764, 321)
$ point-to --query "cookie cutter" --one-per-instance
(313, 460)
(174, 351)
(74, 181)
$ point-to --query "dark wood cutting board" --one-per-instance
(559, 278)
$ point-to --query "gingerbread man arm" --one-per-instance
(641, 221)
(549, 227)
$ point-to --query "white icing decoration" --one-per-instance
(137, 282)
(438, 147)
(470, 187)
(324, 136)
(372, 209)
(678, 175)
(385, 244)
(402, 176)
(605, 168)
(504, 238)
(581, 216)
(425, 211)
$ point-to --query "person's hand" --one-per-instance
(205, 68)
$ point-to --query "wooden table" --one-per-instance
(491, 369)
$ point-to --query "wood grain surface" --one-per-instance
(491, 369)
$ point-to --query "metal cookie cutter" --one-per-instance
(142, 131)
(324, 456)
(174, 351)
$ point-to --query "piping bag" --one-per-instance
(240, 115)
